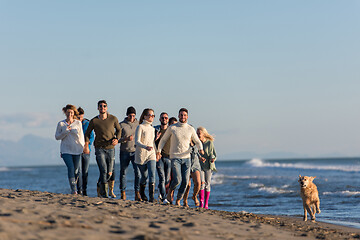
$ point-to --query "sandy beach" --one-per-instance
(28, 214)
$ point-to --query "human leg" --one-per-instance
(185, 176)
(85, 162)
(143, 178)
(161, 174)
(202, 188)
(137, 178)
(152, 169)
(208, 175)
(102, 165)
(176, 177)
(70, 170)
(197, 182)
(124, 164)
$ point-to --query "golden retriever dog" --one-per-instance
(310, 196)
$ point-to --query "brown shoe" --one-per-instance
(123, 195)
(111, 189)
(137, 196)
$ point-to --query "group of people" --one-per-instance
(173, 149)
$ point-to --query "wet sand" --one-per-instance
(28, 214)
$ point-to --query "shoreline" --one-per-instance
(26, 214)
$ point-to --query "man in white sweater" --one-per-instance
(181, 134)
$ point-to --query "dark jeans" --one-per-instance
(83, 179)
(163, 167)
(105, 159)
(125, 159)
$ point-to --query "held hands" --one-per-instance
(212, 160)
(114, 142)
(158, 156)
(86, 149)
(203, 159)
(149, 148)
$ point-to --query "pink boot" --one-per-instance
(207, 195)
(201, 195)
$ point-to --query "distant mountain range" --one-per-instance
(32, 150)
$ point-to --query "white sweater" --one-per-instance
(144, 137)
(72, 141)
(180, 135)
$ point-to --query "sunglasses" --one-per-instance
(151, 115)
(103, 106)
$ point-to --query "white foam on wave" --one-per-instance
(217, 179)
(342, 193)
(256, 162)
(271, 190)
(5, 169)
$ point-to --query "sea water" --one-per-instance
(256, 186)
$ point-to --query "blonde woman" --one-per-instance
(207, 165)
(145, 156)
(70, 132)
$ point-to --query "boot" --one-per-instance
(142, 192)
(111, 189)
(207, 196)
(103, 190)
(137, 196)
(123, 195)
(151, 192)
(84, 192)
(201, 194)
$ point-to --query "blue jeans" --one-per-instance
(72, 163)
(125, 159)
(105, 159)
(83, 179)
(150, 167)
(181, 174)
(163, 167)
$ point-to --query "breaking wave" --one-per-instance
(256, 162)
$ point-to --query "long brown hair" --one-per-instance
(71, 107)
(144, 113)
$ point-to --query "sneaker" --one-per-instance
(166, 202)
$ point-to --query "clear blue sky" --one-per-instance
(262, 76)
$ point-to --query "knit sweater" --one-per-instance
(144, 137)
(209, 153)
(180, 135)
(128, 129)
(72, 141)
(105, 131)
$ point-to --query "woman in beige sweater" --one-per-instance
(145, 156)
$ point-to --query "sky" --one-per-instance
(262, 76)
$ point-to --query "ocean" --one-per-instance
(257, 186)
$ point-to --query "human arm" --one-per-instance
(87, 134)
(196, 140)
(212, 152)
(61, 131)
(115, 141)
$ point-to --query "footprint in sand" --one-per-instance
(116, 230)
(154, 225)
(191, 224)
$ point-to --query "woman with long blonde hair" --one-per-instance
(70, 132)
(207, 165)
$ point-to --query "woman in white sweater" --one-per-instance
(70, 132)
(145, 156)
